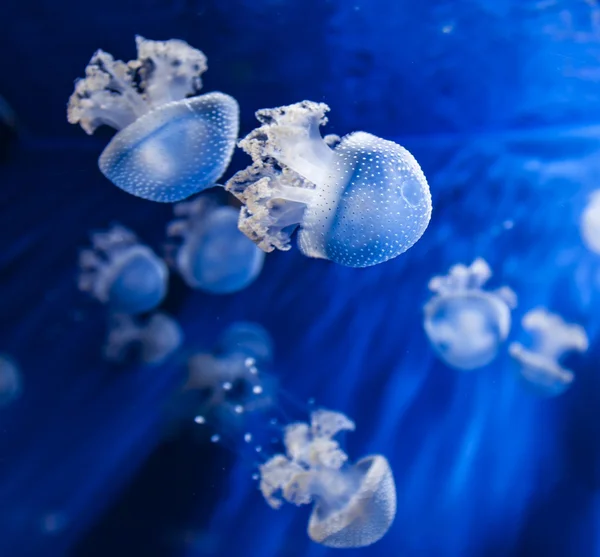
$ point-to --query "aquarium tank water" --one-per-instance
(300, 278)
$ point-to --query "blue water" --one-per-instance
(498, 100)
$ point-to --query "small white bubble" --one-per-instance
(200, 420)
(227, 386)
(238, 409)
(255, 477)
(215, 438)
(248, 437)
(257, 389)
(249, 362)
(258, 449)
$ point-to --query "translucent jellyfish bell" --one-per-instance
(122, 273)
(214, 255)
(154, 339)
(358, 204)
(11, 383)
(552, 337)
(168, 146)
(353, 505)
(464, 323)
(590, 223)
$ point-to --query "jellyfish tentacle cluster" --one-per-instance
(169, 143)
(552, 337)
(122, 273)
(466, 324)
(353, 505)
(360, 203)
(213, 254)
(155, 338)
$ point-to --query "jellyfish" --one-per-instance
(358, 201)
(590, 223)
(122, 273)
(214, 255)
(354, 505)
(153, 340)
(539, 364)
(11, 383)
(170, 143)
(225, 385)
(464, 323)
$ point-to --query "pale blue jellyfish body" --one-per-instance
(552, 337)
(354, 505)
(122, 273)
(358, 203)
(152, 340)
(168, 146)
(590, 223)
(214, 255)
(464, 323)
(11, 383)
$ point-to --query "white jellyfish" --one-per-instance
(170, 144)
(122, 273)
(353, 505)
(539, 364)
(228, 379)
(153, 340)
(358, 204)
(590, 223)
(214, 255)
(11, 383)
(464, 323)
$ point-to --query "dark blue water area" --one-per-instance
(499, 103)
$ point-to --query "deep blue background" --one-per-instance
(498, 100)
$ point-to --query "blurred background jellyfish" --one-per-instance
(464, 323)
(168, 146)
(214, 255)
(226, 385)
(147, 341)
(353, 505)
(590, 223)
(11, 383)
(359, 204)
(552, 338)
(122, 273)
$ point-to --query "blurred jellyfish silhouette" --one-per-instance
(147, 341)
(170, 144)
(122, 273)
(590, 223)
(358, 201)
(353, 505)
(8, 129)
(11, 383)
(214, 255)
(226, 385)
(552, 337)
(464, 323)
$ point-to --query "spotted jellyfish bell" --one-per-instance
(590, 223)
(170, 144)
(466, 324)
(154, 339)
(361, 203)
(214, 255)
(539, 364)
(11, 382)
(354, 505)
(123, 273)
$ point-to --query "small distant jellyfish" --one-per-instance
(11, 383)
(358, 201)
(590, 223)
(229, 380)
(552, 337)
(214, 255)
(353, 505)
(170, 144)
(464, 323)
(122, 273)
(153, 340)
